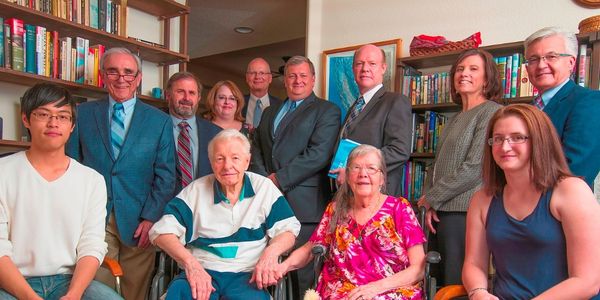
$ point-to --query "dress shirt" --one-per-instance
(128, 108)
(193, 139)
(549, 94)
(252, 105)
(369, 94)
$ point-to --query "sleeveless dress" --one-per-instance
(530, 256)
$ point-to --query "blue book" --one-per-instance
(30, 59)
(341, 155)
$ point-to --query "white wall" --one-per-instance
(340, 23)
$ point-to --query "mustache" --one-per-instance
(185, 102)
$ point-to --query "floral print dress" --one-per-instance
(360, 254)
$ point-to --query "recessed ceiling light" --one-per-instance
(243, 30)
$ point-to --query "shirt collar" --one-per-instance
(127, 104)
(550, 93)
(247, 191)
(369, 94)
(191, 121)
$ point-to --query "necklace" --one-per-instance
(371, 210)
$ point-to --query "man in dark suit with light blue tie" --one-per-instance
(183, 94)
(575, 111)
(131, 144)
(293, 146)
(258, 78)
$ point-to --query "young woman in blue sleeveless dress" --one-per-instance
(537, 221)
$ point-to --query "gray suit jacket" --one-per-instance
(385, 122)
(299, 153)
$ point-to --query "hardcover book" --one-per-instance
(341, 155)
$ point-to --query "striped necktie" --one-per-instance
(538, 102)
(360, 103)
(257, 113)
(117, 128)
(184, 154)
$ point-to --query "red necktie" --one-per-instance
(184, 154)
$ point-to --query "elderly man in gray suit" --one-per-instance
(293, 146)
(378, 118)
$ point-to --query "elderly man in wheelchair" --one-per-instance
(227, 230)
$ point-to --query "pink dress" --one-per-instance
(358, 255)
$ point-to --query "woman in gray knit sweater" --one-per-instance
(456, 173)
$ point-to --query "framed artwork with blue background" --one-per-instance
(338, 79)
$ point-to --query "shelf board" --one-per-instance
(68, 28)
(524, 100)
(441, 107)
(14, 144)
(162, 8)
(159, 103)
(422, 155)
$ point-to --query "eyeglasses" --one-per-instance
(548, 58)
(258, 74)
(127, 77)
(46, 117)
(223, 98)
(512, 139)
(371, 170)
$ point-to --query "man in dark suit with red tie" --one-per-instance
(551, 54)
(293, 146)
(378, 118)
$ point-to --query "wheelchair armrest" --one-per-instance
(450, 291)
(113, 266)
(433, 257)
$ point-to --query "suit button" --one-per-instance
(113, 173)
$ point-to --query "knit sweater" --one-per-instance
(456, 172)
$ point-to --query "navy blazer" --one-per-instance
(575, 113)
(385, 123)
(299, 153)
(142, 179)
(206, 132)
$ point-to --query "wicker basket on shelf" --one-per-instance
(591, 24)
(428, 45)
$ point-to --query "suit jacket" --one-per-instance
(272, 101)
(385, 123)
(142, 179)
(299, 153)
(575, 113)
(206, 132)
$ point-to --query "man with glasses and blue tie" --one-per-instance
(293, 146)
(131, 144)
(258, 77)
(550, 55)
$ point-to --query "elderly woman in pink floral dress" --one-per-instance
(374, 241)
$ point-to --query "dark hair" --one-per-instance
(45, 93)
(212, 95)
(183, 75)
(547, 160)
(492, 89)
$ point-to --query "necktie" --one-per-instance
(291, 109)
(538, 102)
(360, 103)
(257, 113)
(184, 154)
(117, 128)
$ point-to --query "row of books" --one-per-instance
(104, 15)
(34, 49)
(513, 76)
(413, 179)
(427, 127)
(426, 89)
(581, 74)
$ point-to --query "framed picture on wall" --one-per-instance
(338, 79)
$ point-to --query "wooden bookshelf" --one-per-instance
(13, 146)
(163, 9)
(439, 107)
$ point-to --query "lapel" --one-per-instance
(561, 95)
(378, 97)
(103, 124)
(134, 131)
(287, 119)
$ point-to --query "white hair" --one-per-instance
(120, 50)
(571, 44)
(228, 135)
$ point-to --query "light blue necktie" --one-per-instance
(257, 113)
(117, 128)
(289, 111)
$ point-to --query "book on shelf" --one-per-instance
(340, 158)
(1, 42)
(16, 41)
(427, 128)
(7, 47)
(413, 179)
(30, 47)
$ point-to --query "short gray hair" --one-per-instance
(120, 50)
(228, 135)
(298, 60)
(571, 44)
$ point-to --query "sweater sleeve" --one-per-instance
(91, 242)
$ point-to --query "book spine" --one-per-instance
(94, 13)
(47, 50)
(102, 15)
(16, 33)
(80, 62)
(40, 49)
(501, 64)
(55, 54)
(31, 63)
(581, 74)
(2, 49)
(507, 75)
(514, 75)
